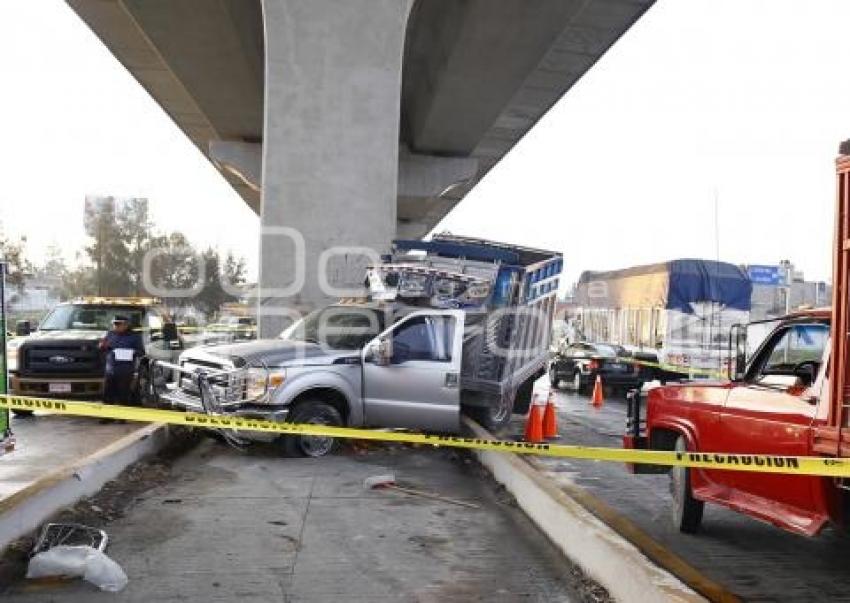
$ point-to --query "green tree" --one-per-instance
(18, 267)
(174, 267)
(78, 282)
(55, 269)
(108, 252)
(217, 274)
(135, 232)
(234, 270)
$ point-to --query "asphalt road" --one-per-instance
(753, 560)
(220, 525)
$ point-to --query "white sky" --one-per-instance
(744, 99)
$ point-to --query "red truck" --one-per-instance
(790, 397)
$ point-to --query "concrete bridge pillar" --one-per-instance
(330, 148)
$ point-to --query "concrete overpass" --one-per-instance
(353, 121)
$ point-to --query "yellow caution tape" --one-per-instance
(797, 465)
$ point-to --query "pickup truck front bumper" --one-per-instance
(71, 387)
(181, 400)
(635, 437)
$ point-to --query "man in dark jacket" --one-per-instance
(123, 349)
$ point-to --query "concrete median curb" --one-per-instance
(600, 551)
(27, 509)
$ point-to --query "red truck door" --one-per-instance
(772, 412)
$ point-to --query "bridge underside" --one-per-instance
(477, 75)
(346, 123)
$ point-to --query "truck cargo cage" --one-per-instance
(509, 294)
(834, 438)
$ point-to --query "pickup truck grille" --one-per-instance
(228, 388)
(58, 359)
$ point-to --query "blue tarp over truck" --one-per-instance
(674, 285)
(679, 311)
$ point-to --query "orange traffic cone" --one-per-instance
(527, 432)
(534, 425)
(597, 400)
(550, 418)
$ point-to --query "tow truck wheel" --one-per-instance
(687, 511)
(316, 412)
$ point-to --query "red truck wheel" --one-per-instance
(687, 511)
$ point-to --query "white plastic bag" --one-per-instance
(79, 562)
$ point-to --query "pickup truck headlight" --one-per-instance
(12, 358)
(260, 382)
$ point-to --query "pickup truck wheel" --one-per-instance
(315, 412)
(687, 511)
(554, 382)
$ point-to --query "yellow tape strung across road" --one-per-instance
(797, 465)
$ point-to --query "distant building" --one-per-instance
(781, 288)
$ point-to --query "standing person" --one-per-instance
(123, 349)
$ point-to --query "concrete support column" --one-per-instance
(330, 147)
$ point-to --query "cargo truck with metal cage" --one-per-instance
(450, 326)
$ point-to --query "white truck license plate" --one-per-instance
(59, 388)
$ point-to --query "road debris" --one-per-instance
(74, 550)
(387, 481)
(69, 534)
(84, 562)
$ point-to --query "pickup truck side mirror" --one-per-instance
(737, 352)
(380, 350)
(806, 372)
(23, 328)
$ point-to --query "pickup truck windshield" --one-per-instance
(93, 318)
(797, 345)
(337, 327)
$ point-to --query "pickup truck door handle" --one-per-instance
(451, 380)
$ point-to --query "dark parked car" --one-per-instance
(577, 366)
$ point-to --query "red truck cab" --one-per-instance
(771, 406)
(790, 398)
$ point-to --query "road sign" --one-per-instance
(766, 275)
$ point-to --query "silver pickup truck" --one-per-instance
(395, 360)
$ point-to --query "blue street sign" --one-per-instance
(765, 275)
